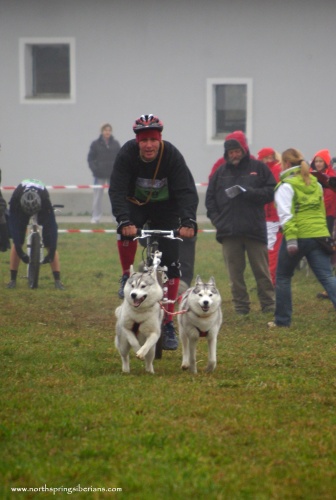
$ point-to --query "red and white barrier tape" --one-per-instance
(112, 231)
(82, 186)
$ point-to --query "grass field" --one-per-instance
(262, 426)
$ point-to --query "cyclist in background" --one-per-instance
(31, 197)
(151, 181)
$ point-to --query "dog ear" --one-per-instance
(198, 280)
(212, 281)
(131, 270)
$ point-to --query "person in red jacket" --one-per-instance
(274, 235)
(322, 163)
(321, 166)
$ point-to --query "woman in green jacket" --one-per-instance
(301, 209)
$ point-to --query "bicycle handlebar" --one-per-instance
(172, 234)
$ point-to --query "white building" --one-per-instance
(204, 68)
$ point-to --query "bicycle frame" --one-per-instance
(153, 260)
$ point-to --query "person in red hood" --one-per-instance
(235, 199)
(274, 235)
(321, 166)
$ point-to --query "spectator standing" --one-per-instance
(102, 154)
(274, 235)
(31, 197)
(150, 181)
(299, 202)
(235, 199)
(322, 163)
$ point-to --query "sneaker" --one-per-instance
(169, 340)
(59, 285)
(122, 282)
(11, 284)
(322, 295)
(272, 324)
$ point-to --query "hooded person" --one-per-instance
(274, 235)
(321, 167)
(299, 202)
(235, 200)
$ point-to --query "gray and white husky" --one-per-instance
(139, 319)
(202, 318)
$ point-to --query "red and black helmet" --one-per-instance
(147, 122)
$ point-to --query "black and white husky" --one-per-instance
(139, 319)
(202, 317)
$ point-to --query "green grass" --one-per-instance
(262, 426)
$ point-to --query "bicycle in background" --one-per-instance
(35, 249)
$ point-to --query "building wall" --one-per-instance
(155, 57)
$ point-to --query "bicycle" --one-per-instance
(151, 257)
(35, 249)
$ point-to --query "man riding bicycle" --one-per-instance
(150, 181)
(31, 197)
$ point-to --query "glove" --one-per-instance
(292, 247)
(4, 238)
(122, 224)
(24, 257)
(189, 223)
(48, 258)
(325, 180)
(332, 183)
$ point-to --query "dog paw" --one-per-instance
(140, 355)
(210, 368)
(185, 367)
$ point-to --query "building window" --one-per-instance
(47, 70)
(229, 107)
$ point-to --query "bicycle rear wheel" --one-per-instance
(34, 260)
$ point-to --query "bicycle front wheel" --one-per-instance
(34, 261)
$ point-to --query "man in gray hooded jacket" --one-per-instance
(235, 200)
